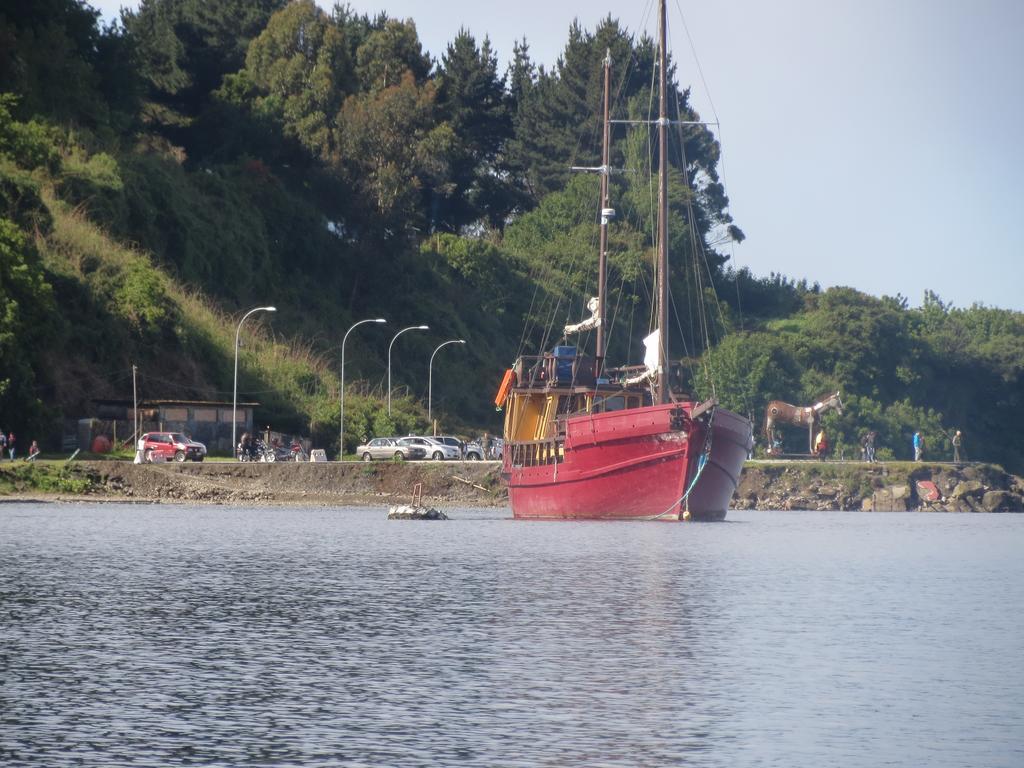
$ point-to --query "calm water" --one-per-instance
(162, 636)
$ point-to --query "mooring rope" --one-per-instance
(701, 463)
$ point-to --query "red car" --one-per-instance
(172, 446)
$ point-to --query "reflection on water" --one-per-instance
(169, 635)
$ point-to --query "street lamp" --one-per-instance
(430, 378)
(234, 399)
(410, 328)
(341, 426)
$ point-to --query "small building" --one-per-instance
(207, 421)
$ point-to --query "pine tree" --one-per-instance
(48, 50)
(184, 48)
(471, 97)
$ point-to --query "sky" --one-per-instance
(877, 144)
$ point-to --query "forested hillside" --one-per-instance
(198, 158)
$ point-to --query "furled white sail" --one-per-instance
(652, 356)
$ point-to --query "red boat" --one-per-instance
(618, 458)
(586, 442)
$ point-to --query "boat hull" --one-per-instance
(636, 464)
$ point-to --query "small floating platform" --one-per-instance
(415, 512)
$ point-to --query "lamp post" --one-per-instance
(341, 426)
(430, 378)
(410, 328)
(234, 397)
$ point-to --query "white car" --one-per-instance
(454, 442)
(474, 451)
(389, 448)
(435, 449)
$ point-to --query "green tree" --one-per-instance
(521, 74)
(55, 57)
(394, 151)
(388, 53)
(746, 371)
(472, 99)
(558, 113)
(31, 144)
(297, 72)
(183, 50)
(859, 341)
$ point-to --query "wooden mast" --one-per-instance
(602, 259)
(662, 268)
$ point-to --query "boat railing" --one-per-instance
(535, 453)
(549, 370)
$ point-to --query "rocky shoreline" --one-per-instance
(765, 485)
(878, 487)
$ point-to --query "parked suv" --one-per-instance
(172, 446)
(389, 448)
(433, 447)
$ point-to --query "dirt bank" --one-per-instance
(444, 484)
(767, 485)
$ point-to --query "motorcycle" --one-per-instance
(255, 450)
(294, 452)
(258, 450)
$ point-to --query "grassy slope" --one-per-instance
(121, 309)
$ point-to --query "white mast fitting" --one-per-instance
(594, 305)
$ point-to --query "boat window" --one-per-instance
(616, 403)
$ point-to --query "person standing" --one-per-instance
(33, 451)
(957, 442)
(3, 442)
(869, 445)
(918, 446)
(821, 444)
(10, 444)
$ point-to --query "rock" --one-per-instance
(973, 503)
(892, 499)
(967, 488)
(1002, 501)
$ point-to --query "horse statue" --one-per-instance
(779, 412)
